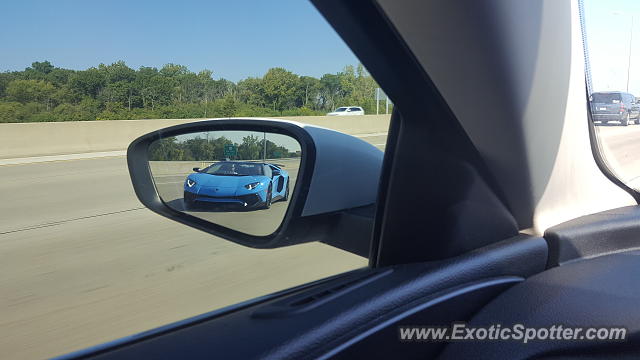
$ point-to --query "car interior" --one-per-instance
(493, 207)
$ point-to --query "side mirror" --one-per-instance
(196, 169)
(275, 172)
(312, 200)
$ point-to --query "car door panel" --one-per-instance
(280, 184)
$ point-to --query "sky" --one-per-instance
(234, 39)
(238, 39)
(608, 24)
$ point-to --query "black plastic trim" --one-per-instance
(296, 305)
(385, 179)
(455, 304)
(422, 118)
(594, 235)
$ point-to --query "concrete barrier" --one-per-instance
(54, 138)
(170, 168)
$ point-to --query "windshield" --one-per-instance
(234, 169)
(341, 109)
(605, 98)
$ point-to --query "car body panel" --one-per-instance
(613, 107)
(347, 111)
(202, 187)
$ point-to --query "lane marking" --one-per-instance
(369, 135)
(60, 222)
(67, 157)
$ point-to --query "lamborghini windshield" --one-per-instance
(234, 169)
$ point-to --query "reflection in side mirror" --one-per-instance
(242, 179)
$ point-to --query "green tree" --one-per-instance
(59, 77)
(120, 92)
(251, 148)
(156, 91)
(173, 70)
(117, 91)
(37, 71)
(117, 72)
(167, 149)
(11, 112)
(308, 92)
(279, 88)
(228, 107)
(275, 151)
(331, 91)
(89, 82)
(5, 79)
(251, 91)
(43, 67)
(24, 91)
(199, 149)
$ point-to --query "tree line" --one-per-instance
(203, 149)
(43, 92)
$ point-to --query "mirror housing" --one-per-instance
(196, 169)
(323, 200)
(275, 172)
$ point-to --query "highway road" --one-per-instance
(82, 262)
(621, 146)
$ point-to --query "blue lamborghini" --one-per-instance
(249, 185)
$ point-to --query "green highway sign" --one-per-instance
(230, 150)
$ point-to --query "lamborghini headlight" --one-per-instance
(190, 183)
(252, 186)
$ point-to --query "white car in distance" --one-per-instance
(347, 110)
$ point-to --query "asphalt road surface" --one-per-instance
(621, 146)
(82, 262)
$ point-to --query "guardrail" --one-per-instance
(72, 137)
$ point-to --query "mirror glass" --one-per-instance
(242, 180)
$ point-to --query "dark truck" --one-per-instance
(614, 107)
